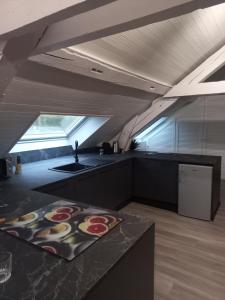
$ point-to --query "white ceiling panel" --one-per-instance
(164, 51)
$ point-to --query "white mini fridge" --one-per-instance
(195, 191)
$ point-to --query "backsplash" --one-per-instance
(43, 154)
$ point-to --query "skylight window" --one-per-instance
(144, 134)
(52, 131)
(52, 126)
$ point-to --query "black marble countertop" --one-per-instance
(37, 174)
(38, 275)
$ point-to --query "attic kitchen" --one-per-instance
(112, 150)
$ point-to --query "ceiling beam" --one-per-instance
(139, 122)
(59, 78)
(157, 108)
(193, 85)
(2, 46)
(124, 137)
(18, 17)
(207, 68)
(197, 89)
(80, 64)
(119, 16)
(23, 24)
(190, 86)
(11, 60)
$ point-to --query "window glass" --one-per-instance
(144, 134)
(52, 126)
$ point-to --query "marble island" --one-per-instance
(106, 270)
(121, 264)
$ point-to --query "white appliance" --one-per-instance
(195, 191)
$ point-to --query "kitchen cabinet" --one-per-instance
(156, 180)
(107, 187)
(64, 189)
(117, 186)
(88, 188)
(152, 179)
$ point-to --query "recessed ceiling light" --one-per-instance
(98, 71)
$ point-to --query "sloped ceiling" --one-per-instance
(164, 51)
(25, 100)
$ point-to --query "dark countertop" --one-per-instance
(37, 174)
(182, 158)
(41, 276)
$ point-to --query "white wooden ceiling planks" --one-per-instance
(166, 51)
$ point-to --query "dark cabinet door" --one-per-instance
(88, 189)
(107, 187)
(116, 185)
(64, 189)
(124, 180)
(156, 180)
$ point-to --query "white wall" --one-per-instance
(198, 129)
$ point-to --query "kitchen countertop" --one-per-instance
(31, 179)
(41, 276)
(182, 158)
(37, 173)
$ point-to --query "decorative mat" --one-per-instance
(63, 228)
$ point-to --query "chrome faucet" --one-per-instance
(76, 152)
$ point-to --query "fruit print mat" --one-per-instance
(63, 228)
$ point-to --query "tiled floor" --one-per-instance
(190, 254)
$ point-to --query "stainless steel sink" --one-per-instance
(71, 168)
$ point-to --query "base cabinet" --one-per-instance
(64, 189)
(108, 187)
(148, 180)
(132, 277)
(156, 180)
